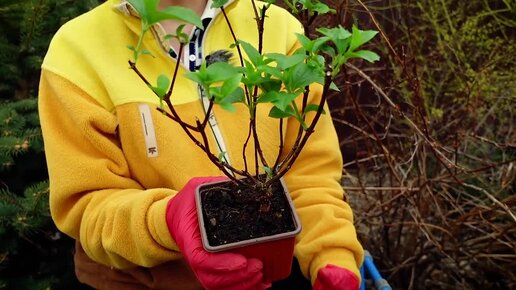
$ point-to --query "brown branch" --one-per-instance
(223, 166)
(281, 145)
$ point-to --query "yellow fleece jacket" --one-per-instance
(107, 191)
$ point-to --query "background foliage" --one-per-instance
(427, 136)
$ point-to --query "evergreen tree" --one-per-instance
(26, 27)
(33, 253)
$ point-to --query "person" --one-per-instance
(122, 174)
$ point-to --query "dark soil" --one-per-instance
(232, 213)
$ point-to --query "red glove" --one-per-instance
(224, 270)
(335, 278)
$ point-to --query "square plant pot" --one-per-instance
(275, 249)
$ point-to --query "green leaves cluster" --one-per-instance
(340, 45)
(281, 79)
(278, 79)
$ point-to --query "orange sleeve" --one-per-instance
(92, 196)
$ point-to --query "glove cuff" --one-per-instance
(337, 257)
(336, 278)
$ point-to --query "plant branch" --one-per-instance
(296, 150)
(260, 22)
(239, 50)
(223, 166)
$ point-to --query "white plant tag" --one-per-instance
(148, 131)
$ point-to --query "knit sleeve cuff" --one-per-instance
(156, 222)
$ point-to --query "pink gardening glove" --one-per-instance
(224, 270)
(335, 278)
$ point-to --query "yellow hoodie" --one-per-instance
(110, 192)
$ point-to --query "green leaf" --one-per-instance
(222, 156)
(268, 97)
(280, 99)
(236, 96)
(146, 52)
(219, 3)
(360, 37)
(305, 41)
(149, 13)
(181, 36)
(286, 61)
(273, 71)
(231, 84)
(228, 107)
(275, 112)
(196, 77)
(143, 7)
(303, 75)
(267, 170)
(334, 87)
(322, 8)
(215, 94)
(338, 35)
(252, 53)
(316, 62)
(252, 76)
(335, 33)
(319, 41)
(368, 55)
(312, 108)
(328, 50)
(284, 99)
(271, 85)
(220, 71)
(162, 86)
(178, 13)
(314, 6)
(226, 101)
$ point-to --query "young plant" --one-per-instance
(279, 81)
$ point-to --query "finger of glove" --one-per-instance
(181, 211)
(254, 283)
(335, 278)
(185, 197)
(248, 277)
(196, 181)
(205, 261)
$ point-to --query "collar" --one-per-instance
(208, 12)
(124, 7)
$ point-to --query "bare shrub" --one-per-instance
(429, 144)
